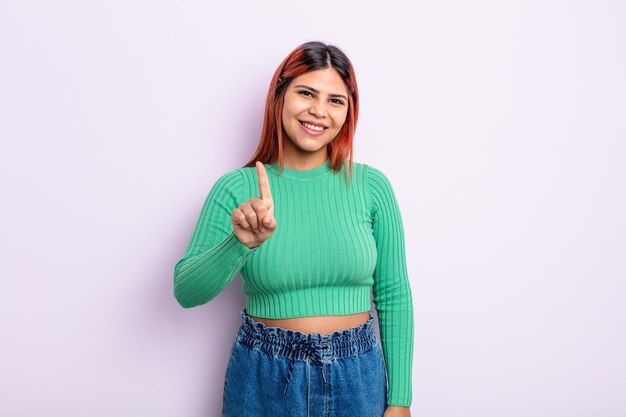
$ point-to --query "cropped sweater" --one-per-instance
(336, 244)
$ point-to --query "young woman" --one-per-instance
(314, 235)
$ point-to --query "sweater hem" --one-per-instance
(334, 301)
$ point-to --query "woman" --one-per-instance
(312, 233)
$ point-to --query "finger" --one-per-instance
(238, 217)
(260, 207)
(250, 215)
(271, 224)
(267, 221)
(264, 183)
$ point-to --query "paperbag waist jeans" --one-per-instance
(278, 372)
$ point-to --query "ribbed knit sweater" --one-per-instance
(336, 244)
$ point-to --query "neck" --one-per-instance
(304, 160)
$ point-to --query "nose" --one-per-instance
(318, 110)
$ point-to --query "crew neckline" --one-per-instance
(302, 173)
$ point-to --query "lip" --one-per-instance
(312, 132)
(313, 123)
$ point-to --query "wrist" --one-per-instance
(397, 411)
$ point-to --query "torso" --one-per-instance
(317, 324)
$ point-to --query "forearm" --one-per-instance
(200, 278)
(395, 314)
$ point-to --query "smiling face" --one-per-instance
(320, 98)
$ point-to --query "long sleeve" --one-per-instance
(392, 293)
(214, 254)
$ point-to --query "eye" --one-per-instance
(335, 100)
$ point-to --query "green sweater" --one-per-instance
(335, 245)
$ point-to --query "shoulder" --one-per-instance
(379, 190)
(228, 184)
(373, 177)
(249, 173)
(232, 178)
(364, 170)
(376, 179)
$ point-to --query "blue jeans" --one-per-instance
(278, 372)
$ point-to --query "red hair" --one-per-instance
(309, 56)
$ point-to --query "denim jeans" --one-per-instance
(278, 372)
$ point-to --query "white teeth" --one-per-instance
(312, 127)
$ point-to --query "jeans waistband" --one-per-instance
(300, 346)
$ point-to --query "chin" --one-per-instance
(310, 143)
(310, 149)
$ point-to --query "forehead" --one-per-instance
(325, 80)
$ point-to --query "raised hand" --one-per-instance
(253, 221)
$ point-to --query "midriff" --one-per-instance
(317, 324)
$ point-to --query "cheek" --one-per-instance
(287, 117)
(289, 113)
(340, 118)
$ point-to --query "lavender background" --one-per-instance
(501, 125)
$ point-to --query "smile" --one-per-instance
(312, 127)
(312, 130)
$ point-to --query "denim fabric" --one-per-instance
(279, 372)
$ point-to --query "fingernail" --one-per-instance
(263, 229)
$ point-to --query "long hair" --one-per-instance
(309, 56)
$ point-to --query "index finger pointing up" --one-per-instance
(264, 183)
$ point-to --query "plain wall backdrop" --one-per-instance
(501, 125)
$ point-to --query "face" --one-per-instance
(318, 97)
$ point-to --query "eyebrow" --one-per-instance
(317, 92)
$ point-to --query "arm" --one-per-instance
(392, 292)
(214, 254)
